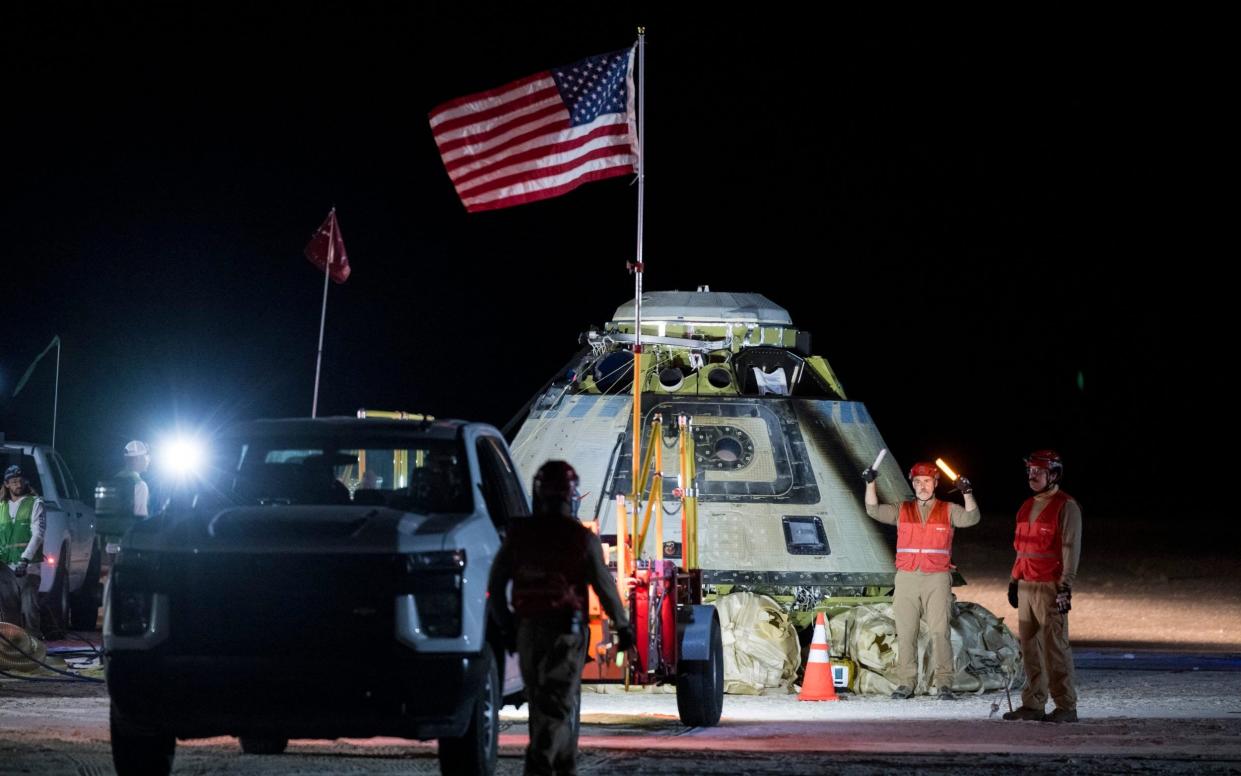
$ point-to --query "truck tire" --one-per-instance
(55, 602)
(475, 753)
(577, 714)
(140, 752)
(700, 685)
(84, 604)
(263, 744)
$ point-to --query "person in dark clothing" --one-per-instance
(550, 558)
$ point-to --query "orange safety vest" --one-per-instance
(549, 565)
(925, 546)
(1039, 544)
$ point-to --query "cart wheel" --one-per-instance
(700, 684)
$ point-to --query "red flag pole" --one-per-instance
(327, 273)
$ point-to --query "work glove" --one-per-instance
(624, 638)
(1012, 593)
(1064, 599)
(869, 475)
(20, 569)
(964, 485)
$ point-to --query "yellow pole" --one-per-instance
(691, 501)
(681, 481)
(644, 473)
(657, 495)
(637, 416)
(400, 468)
(622, 550)
(634, 546)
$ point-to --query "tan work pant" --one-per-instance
(923, 597)
(551, 668)
(1045, 651)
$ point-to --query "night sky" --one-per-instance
(978, 229)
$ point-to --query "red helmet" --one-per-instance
(1046, 459)
(924, 469)
(555, 481)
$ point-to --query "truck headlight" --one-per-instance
(434, 578)
(453, 560)
(131, 613)
(133, 593)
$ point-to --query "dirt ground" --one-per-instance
(1156, 626)
(1165, 717)
(1138, 586)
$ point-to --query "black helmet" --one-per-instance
(555, 484)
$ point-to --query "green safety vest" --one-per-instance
(15, 532)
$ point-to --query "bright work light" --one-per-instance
(183, 456)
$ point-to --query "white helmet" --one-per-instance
(136, 448)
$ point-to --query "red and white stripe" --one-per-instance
(514, 144)
(820, 652)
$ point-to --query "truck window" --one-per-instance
(411, 474)
(501, 488)
(62, 492)
(71, 487)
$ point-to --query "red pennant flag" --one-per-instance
(327, 247)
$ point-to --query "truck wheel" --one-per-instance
(263, 745)
(700, 685)
(55, 602)
(577, 714)
(476, 752)
(84, 604)
(139, 751)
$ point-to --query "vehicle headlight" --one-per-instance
(184, 456)
(453, 560)
(434, 578)
(133, 593)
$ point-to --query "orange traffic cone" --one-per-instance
(817, 685)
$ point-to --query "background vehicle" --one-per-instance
(327, 579)
(69, 588)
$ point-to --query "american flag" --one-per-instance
(540, 136)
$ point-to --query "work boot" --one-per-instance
(1061, 715)
(1025, 712)
(945, 694)
(904, 692)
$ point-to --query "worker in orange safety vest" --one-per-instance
(924, 529)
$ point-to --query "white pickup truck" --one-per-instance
(69, 589)
(328, 579)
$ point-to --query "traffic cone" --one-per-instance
(817, 685)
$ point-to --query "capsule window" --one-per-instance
(804, 535)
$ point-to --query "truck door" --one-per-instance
(82, 521)
(62, 517)
(505, 500)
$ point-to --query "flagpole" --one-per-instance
(637, 282)
(327, 270)
(56, 393)
(55, 343)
